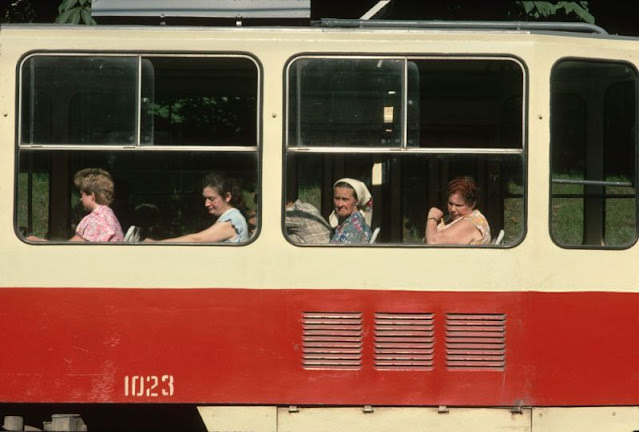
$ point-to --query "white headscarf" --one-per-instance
(364, 201)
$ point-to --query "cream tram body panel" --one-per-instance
(270, 261)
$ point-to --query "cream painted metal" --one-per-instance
(389, 419)
(376, 419)
(592, 419)
(239, 418)
(535, 264)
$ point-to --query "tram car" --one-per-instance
(534, 330)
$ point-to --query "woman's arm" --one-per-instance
(432, 220)
(218, 232)
(460, 233)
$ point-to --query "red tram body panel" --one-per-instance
(229, 346)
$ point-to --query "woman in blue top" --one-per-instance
(221, 197)
(350, 219)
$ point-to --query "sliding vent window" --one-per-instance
(346, 102)
(593, 154)
(404, 127)
(79, 100)
(157, 124)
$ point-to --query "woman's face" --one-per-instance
(344, 202)
(457, 206)
(214, 202)
(88, 201)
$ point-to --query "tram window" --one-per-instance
(157, 124)
(405, 127)
(593, 154)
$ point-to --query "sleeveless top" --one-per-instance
(479, 221)
(235, 218)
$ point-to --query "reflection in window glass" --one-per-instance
(471, 108)
(593, 151)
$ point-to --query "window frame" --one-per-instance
(587, 182)
(404, 148)
(138, 146)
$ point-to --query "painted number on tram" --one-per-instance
(148, 386)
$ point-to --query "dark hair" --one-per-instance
(95, 181)
(466, 187)
(346, 185)
(223, 185)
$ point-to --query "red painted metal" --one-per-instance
(244, 347)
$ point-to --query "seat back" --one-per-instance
(132, 234)
(374, 235)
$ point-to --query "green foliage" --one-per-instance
(567, 218)
(547, 9)
(40, 204)
(75, 12)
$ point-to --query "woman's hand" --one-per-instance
(435, 213)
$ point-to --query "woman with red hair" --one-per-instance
(464, 224)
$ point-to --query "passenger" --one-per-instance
(304, 224)
(222, 199)
(96, 194)
(353, 211)
(464, 224)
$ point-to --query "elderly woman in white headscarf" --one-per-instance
(353, 208)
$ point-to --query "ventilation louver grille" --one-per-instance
(404, 341)
(332, 340)
(476, 341)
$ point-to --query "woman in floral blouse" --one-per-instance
(350, 219)
(96, 194)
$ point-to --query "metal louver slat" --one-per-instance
(404, 341)
(475, 341)
(332, 340)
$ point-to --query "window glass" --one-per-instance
(450, 118)
(159, 192)
(345, 102)
(593, 154)
(157, 125)
(79, 100)
(468, 104)
(199, 101)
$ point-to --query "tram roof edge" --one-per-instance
(569, 27)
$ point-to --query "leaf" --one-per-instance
(579, 10)
(75, 15)
(66, 5)
(64, 16)
(86, 17)
(528, 6)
